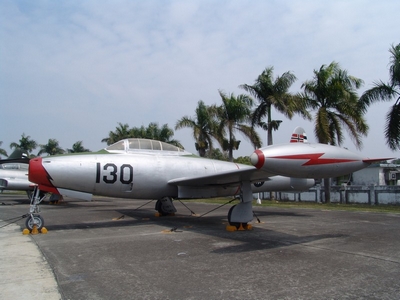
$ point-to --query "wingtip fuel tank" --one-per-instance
(308, 160)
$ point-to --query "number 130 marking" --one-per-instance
(125, 173)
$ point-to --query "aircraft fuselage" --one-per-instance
(143, 176)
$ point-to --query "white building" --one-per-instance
(377, 174)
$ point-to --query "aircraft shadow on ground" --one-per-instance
(265, 213)
(17, 201)
(213, 224)
(260, 238)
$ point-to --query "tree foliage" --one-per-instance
(388, 92)
(77, 147)
(332, 94)
(2, 151)
(26, 144)
(153, 132)
(51, 148)
(121, 132)
(234, 115)
(270, 93)
(203, 127)
(217, 154)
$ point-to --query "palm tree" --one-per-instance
(202, 126)
(274, 93)
(2, 151)
(25, 144)
(120, 133)
(232, 116)
(78, 148)
(51, 148)
(332, 93)
(387, 92)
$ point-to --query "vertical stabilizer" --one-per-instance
(298, 136)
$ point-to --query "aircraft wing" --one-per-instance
(226, 178)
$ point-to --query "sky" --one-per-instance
(72, 70)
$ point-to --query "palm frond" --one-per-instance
(392, 128)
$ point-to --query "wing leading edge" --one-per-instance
(226, 178)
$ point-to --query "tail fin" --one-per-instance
(298, 136)
(17, 156)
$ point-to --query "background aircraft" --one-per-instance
(148, 169)
(14, 173)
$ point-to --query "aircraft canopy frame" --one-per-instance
(132, 145)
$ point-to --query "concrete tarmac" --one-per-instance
(112, 249)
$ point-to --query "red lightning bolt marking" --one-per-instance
(314, 159)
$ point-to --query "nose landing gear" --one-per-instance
(35, 222)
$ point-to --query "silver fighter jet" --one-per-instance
(149, 169)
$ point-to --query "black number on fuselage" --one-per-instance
(113, 173)
(130, 172)
(98, 173)
(126, 173)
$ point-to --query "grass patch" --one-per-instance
(8, 192)
(383, 208)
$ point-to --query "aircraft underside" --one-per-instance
(238, 217)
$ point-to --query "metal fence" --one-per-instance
(372, 194)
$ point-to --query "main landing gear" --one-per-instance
(239, 215)
(34, 221)
(165, 207)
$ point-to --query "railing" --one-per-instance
(372, 195)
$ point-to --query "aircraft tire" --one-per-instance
(159, 208)
(236, 224)
(36, 220)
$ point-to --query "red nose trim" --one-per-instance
(38, 174)
(261, 159)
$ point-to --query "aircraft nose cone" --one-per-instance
(37, 174)
(257, 159)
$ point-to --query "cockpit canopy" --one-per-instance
(135, 145)
(14, 166)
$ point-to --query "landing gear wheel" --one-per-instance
(236, 224)
(163, 209)
(160, 209)
(233, 226)
(34, 220)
